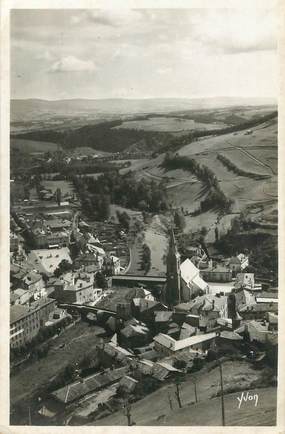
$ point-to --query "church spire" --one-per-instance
(172, 293)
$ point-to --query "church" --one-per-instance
(183, 280)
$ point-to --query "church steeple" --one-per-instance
(173, 290)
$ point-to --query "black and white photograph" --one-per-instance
(143, 216)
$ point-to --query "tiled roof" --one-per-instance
(76, 390)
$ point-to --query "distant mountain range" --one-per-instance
(28, 109)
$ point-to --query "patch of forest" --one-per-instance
(101, 136)
(96, 195)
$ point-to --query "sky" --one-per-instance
(143, 53)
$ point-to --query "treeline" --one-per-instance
(124, 190)
(146, 258)
(101, 136)
(237, 170)
(178, 142)
(216, 198)
(203, 173)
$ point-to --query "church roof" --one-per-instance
(188, 271)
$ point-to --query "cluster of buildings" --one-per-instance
(168, 325)
(46, 272)
(152, 339)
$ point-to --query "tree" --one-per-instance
(63, 267)
(179, 220)
(58, 196)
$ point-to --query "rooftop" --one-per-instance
(76, 390)
(18, 312)
(174, 345)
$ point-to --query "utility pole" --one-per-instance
(170, 401)
(195, 390)
(177, 393)
(128, 413)
(222, 394)
(30, 416)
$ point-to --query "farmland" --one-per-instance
(169, 124)
(255, 152)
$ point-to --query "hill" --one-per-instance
(24, 109)
(254, 153)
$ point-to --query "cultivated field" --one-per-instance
(169, 124)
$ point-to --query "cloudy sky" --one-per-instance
(142, 53)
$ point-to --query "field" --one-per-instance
(156, 239)
(238, 376)
(65, 186)
(169, 124)
(256, 153)
(32, 146)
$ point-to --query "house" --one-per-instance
(117, 353)
(144, 310)
(245, 281)
(218, 273)
(29, 280)
(162, 370)
(20, 296)
(134, 335)
(259, 331)
(26, 321)
(258, 310)
(238, 263)
(76, 288)
(162, 320)
(167, 345)
(187, 331)
(244, 298)
(88, 259)
(72, 392)
(210, 306)
(128, 384)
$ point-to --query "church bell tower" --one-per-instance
(173, 281)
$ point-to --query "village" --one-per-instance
(145, 330)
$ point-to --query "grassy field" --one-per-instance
(208, 412)
(30, 146)
(65, 186)
(169, 124)
(157, 240)
(255, 153)
(154, 409)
